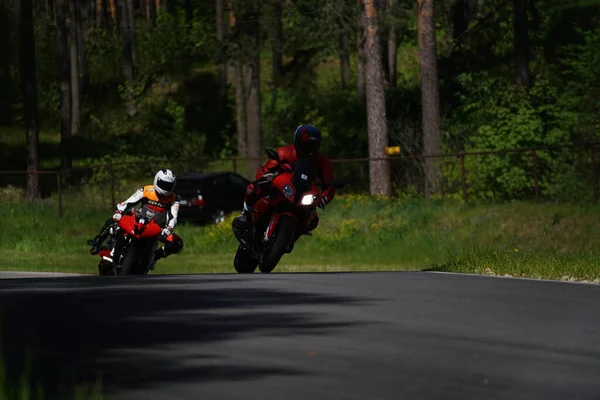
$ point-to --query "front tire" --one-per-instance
(137, 260)
(243, 261)
(283, 237)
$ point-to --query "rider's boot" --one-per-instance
(100, 237)
(159, 253)
(241, 225)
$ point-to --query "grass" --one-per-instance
(356, 233)
(25, 389)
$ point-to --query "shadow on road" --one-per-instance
(76, 328)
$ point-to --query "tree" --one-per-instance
(221, 59)
(113, 11)
(5, 67)
(344, 53)
(128, 61)
(100, 13)
(131, 32)
(65, 87)
(392, 48)
(429, 94)
(75, 79)
(521, 40)
(30, 96)
(379, 165)
(238, 74)
(277, 42)
(83, 74)
(360, 51)
(253, 103)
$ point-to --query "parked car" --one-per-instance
(208, 197)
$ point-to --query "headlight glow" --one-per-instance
(308, 199)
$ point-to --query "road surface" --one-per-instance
(403, 335)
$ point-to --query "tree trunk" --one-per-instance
(83, 74)
(360, 48)
(75, 88)
(429, 94)
(5, 69)
(49, 10)
(277, 43)
(253, 104)
(392, 51)
(460, 18)
(521, 40)
(113, 11)
(344, 53)
(240, 98)
(148, 8)
(379, 165)
(29, 90)
(65, 87)
(222, 59)
(128, 66)
(91, 14)
(100, 13)
(131, 33)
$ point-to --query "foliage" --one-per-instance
(178, 115)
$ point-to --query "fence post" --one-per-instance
(112, 187)
(595, 175)
(536, 182)
(463, 174)
(58, 186)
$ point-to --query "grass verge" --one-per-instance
(356, 233)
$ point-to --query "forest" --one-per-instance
(90, 82)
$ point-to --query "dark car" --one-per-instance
(208, 197)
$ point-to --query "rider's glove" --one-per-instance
(117, 216)
(167, 232)
(323, 202)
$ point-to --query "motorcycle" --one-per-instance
(282, 216)
(135, 243)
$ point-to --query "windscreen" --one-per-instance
(304, 174)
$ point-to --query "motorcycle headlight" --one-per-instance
(308, 199)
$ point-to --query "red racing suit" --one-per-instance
(288, 154)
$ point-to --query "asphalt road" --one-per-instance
(307, 336)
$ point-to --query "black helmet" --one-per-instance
(307, 140)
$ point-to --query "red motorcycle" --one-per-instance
(135, 243)
(282, 216)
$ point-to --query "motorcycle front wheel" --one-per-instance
(283, 237)
(136, 260)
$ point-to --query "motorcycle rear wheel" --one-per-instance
(283, 237)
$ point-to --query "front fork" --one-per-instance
(120, 242)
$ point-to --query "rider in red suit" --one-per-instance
(307, 143)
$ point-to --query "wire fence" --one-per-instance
(568, 172)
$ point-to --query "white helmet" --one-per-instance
(164, 182)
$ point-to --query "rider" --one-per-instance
(158, 201)
(307, 143)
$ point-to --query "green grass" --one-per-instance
(356, 233)
(533, 263)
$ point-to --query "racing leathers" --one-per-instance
(164, 209)
(260, 187)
